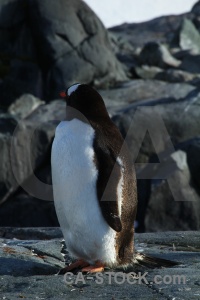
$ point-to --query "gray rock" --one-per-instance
(148, 72)
(30, 233)
(25, 148)
(33, 272)
(161, 30)
(189, 37)
(163, 119)
(191, 64)
(196, 8)
(24, 106)
(135, 91)
(180, 239)
(58, 44)
(155, 54)
(192, 148)
(30, 258)
(7, 181)
(174, 76)
(126, 53)
(186, 183)
(168, 75)
(173, 205)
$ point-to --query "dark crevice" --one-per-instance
(66, 39)
(77, 48)
(83, 24)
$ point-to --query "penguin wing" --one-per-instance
(107, 184)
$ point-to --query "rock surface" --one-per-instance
(29, 267)
(189, 37)
(26, 146)
(24, 106)
(173, 197)
(155, 54)
(66, 43)
(162, 118)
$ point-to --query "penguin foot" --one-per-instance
(98, 267)
(80, 263)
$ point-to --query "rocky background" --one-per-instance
(149, 77)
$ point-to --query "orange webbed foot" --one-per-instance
(79, 264)
(98, 267)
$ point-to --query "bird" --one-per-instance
(94, 186)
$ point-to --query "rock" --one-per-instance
(24, 106)
(165, 170)
(126, 53)
(196, 8)
(7, 181)
(58, 44)
(155, 54)
(25, 148)
(191, 147)
(34, 263)
(173, 205)
(144, 192)
(174, 76)
(163, 120)
(134, 91)
(129, 39)
(30, 233)
(23, 77)
(190, 63)
(161, 30)
(194, 162)
(147, 72)
(189, 37)
(169, 75)
(22, 210)
(41, 258)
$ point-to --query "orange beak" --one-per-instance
(62, 94)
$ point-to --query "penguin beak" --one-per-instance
(63, 94)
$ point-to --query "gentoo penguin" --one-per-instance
(94, 185)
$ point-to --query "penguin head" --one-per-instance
(86, 100)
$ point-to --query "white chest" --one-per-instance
(74, 176)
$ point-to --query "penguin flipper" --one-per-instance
(107, 182)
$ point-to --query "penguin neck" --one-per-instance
(87, 117)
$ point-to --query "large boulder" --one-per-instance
(47, 45)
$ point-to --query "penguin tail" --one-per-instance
(154, 262)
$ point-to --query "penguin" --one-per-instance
(94, 186)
